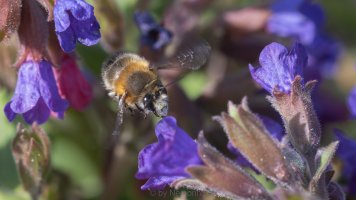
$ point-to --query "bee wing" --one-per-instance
(192, 56)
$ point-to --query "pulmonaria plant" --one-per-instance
(153, 35)
(37, 94)
(297, 165)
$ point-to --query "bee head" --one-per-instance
(157, 102)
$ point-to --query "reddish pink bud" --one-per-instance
(71, 83)
(10, 13)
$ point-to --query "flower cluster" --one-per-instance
(296, 164)
(39, 91)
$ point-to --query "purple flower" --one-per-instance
(347, 153)
(292, 24)
(299, 19)
(36, 94)
(152, 34)
(164, 162)
(74, 20)
(274, 129)
(279, 67)
(323, 53)
(351, 101)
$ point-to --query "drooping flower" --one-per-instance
(299, 19)
(292, 24)
(36, 94)
(351, 101)
(152, 34)
(279, 66)
(274, 129)
(347, 153)
(164, 162)
(72, 85)
(75, 21)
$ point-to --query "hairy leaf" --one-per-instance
(248, 134)
(300, 119)
(223, 177)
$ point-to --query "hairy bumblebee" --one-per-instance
(133, 81)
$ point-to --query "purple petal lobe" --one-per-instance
(39, 114)
(165, 161)
(158, 183)
(75, 20)
(292, 24)
(49, 90)
(26, 93)
(9, 113)
(279, 67)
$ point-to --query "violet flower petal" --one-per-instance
(279, 67)
(8, 112)
(292, 24)
(39, 114)
(49, 90)
(75, 20)
(165, 161)
(26, 93)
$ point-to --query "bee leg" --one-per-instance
(120, 114)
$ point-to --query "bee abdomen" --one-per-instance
(112, 68)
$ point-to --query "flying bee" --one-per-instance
(134, 82)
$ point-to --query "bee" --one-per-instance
(134, 82)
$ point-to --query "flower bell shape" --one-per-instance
(279, 67)
(165, 161)
(75, 21)
(36, 94)
(72, 84)
(152, 34)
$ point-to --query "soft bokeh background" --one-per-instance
(81, 142)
